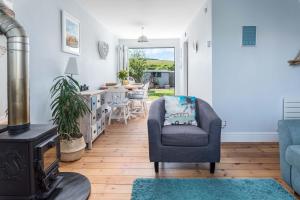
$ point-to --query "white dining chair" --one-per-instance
(138, 100)
(119, 103)
(131, 80)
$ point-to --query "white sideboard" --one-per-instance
(94, 123)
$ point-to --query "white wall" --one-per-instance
(246, 85)
(3, 82)
(249, 83)
(200, 63)
(41, 19)
(132, 43)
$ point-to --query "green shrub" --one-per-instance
(137, 66)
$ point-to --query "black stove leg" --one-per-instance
(156, 166)
(212, 168)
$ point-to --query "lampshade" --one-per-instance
(143, 38)
(72, 67)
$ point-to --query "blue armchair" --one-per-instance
(178, 143)
(289, 143)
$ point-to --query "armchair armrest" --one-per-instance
(284, 134)
(155, 123)
(288, 131)
(207, 119)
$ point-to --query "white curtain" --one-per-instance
(123, 61)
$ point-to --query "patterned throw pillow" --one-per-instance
(180, 110)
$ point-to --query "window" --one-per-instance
(157, 74)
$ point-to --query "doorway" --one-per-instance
(155, 65)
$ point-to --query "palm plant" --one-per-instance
(67, 107)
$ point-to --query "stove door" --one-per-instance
(48, 154)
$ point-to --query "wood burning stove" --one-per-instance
(29, 163)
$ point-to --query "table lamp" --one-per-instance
(72, 67)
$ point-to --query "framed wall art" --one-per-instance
(70, 34)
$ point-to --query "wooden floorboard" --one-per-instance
(121, 155)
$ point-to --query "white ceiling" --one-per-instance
(161, 18)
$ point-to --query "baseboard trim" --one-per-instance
(249, 137)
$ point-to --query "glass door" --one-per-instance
(156, 66)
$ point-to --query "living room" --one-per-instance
(206, 106)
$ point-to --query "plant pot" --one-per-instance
(125, 82)
(72, 150)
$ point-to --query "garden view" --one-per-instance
(154, 65)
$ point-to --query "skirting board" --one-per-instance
(249, 137)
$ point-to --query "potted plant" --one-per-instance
(67, 107)
(122, 76)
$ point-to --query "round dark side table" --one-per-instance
(74, 186)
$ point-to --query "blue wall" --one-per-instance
(249, 83)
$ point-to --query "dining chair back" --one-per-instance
(131, 80)
(119, 103)
(116, 96)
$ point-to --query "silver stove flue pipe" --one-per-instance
(17, 71)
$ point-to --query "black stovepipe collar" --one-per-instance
(19, 129)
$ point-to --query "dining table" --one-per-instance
(130, 87)
(134, 86)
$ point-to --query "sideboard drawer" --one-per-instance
(94, 117)
(94, 131)
(94, 103)
(98, 101)
(99, 127)
(99, 114)
(102, 99)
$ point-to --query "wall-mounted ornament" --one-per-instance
(103, 49)
(296, 61)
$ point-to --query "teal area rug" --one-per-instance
(209, 189)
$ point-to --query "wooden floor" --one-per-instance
(121, 155)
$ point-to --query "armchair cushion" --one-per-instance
(293, 155)
(180, 110)
(184, 135)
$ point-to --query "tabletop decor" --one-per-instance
(122, 76)
(72, 67)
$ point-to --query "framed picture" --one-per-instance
(70, 34)
(249, 36)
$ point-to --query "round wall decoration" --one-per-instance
(103, 49)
